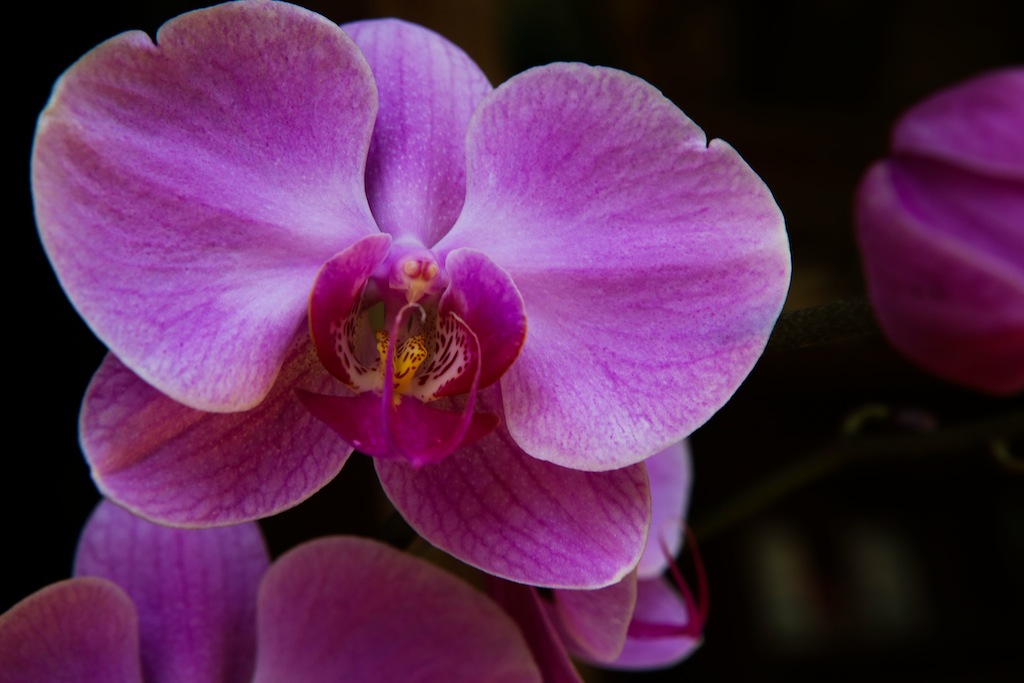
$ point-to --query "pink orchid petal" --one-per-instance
(351, 609)
(593, 623)
(183, 467)
(484, 297)
(979, 213)
(195, 592)
(942, 257)
(495, 508)
(657, 603)
(74, 631)
(976, 125)
(419, 428)
(527, 608)
(188, 192)
(428, 88)
(653, 265)
(336, 295)
(671, 475)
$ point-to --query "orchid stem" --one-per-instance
(839, 321)
(977, 435)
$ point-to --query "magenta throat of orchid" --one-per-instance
(404, 338)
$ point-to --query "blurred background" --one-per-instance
(904, 564)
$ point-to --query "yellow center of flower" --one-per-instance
(409, 355)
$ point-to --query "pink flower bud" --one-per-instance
(940, 223)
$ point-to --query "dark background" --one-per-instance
(895, 567)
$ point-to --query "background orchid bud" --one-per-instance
(940, 223)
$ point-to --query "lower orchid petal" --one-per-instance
(195, 592)
(659, 636)
(496, 508)
(670, 474)
(74, 631)
(183, 467)
(593, 624)
(356, 610)
(416, 432)
(653, 264)
(527, 608)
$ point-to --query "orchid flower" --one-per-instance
(283, 229)
(640, 622)
(157, 604)
(940, 223)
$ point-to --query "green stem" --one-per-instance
(1003, 429)
(838, 321)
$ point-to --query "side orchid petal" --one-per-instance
(671, 475)
(195, 592)
(495, 508)
(657, 603)
(183, 467)
(486, 300)
(74, 631)
(428, 89)
(353, 610)
(593, 624)
(653, 265)
(528, 609)
(187, 191)
(334, 307)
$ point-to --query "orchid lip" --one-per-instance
(390, 399)
(400, 332)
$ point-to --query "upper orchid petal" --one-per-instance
(976, 125)
(188, 191)
(74, 631)
(652, 264)
(513, 516)
(195, 592)
(671, 475)
(667, 644)
(353, 610)
(428, 89)
(593, 624)
(185, 467)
